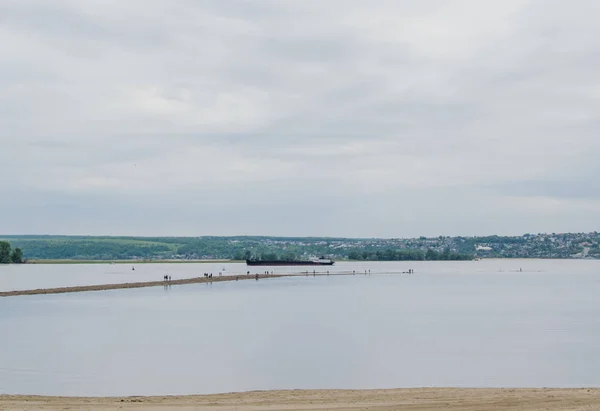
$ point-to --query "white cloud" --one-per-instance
(334, 118)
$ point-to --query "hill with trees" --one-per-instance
(566, 245)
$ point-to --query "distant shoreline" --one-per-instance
(88, 249)
(66, 261)
(225, 261)
(409, 399)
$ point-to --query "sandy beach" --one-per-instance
(421, 399)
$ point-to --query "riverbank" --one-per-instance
(133, 262)
(409, 399)
(104, 287)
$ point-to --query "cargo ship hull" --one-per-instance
(289, 262)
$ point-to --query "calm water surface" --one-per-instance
(450, 324)
(23, 277)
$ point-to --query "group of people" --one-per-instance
(354, 272)
(167, 278)
(265, 273)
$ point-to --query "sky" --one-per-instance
(348, 118)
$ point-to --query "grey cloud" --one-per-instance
(226, 117)
(50, 19)
(64, 27)
(52, 144)
(585, 187)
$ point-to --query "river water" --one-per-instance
(476, 324)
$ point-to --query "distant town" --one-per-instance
(554, 245)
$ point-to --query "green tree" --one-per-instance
(289, 256)
(270, 257)
(4, 252)
(17, 256)
(354, 255)
(431, 255)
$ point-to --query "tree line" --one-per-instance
(564, 245)
(8, 255)
(389, 254)
(408, 255)
(93, 249)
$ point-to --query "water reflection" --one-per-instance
(440, 328)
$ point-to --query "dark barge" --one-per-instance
(320, 261)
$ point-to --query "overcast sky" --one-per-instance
(351, 118)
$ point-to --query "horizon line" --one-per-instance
(289, 236)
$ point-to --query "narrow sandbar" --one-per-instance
(103, 287)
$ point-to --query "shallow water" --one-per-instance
(31, 276)
(450, 324)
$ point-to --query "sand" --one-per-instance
(420, 399)
(197, 280)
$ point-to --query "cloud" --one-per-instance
(336, 118)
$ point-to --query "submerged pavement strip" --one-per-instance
(103, 287)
